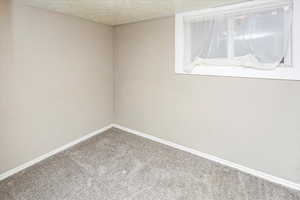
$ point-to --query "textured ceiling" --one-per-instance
(115, 12)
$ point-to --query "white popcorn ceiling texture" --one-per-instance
(115, 12)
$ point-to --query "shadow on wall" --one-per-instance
(6, 59)
(56, 79)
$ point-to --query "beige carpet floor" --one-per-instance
(120, 166)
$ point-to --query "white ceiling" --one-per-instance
(115, 12)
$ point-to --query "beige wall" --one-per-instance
(253, 122)
(56, 81)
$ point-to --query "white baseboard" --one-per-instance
(244, 169)
(55, 151)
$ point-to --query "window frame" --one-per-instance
(290, 73)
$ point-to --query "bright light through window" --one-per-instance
(253, 37)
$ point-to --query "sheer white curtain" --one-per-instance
(205, 39)
(251, 38)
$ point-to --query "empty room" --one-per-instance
(149, 100)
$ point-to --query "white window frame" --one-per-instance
(289, 73)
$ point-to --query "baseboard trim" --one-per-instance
(244, 169)
(51, 153)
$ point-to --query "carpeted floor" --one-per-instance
(120, 166)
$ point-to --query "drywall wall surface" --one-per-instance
(56, 81)
(252, 122)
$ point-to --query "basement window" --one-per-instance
(252, 39)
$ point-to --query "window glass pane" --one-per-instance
(207, 38)
(264, 35)
(241, 47)
(258, 38)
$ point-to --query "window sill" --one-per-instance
(287, 73)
